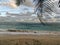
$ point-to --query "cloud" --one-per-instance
(12, 4)
(29, 3)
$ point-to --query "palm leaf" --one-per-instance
(40, 4)
(39, 9)
(18, 2)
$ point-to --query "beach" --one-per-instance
(23, 39)
(13, 37)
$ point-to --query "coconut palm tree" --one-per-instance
(39, 5)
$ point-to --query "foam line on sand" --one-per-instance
(28, 33)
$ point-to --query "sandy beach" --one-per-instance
(28, 39)
(16, 37)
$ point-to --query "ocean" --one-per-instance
(30, 26)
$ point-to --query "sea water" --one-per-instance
(30, 26)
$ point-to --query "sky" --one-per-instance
(24, 9)
(20, 9)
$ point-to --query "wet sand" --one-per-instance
(27, 32)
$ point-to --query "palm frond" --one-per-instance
(59, 3)
(39, 9)
(40, 4)
(18, 2)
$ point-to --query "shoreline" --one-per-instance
(28, 32)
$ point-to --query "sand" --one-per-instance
(29, 37)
